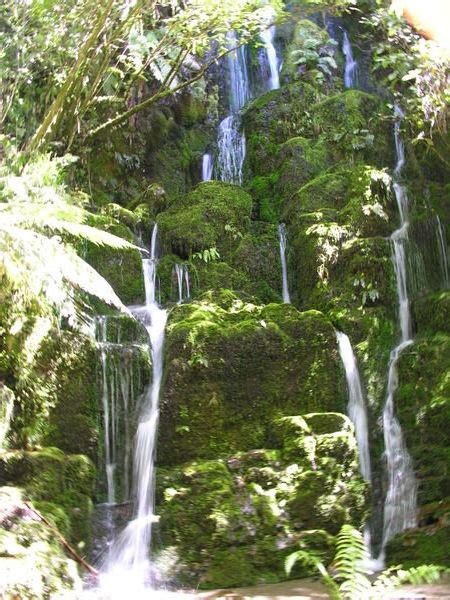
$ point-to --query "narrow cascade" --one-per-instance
(207, 167)
(267, 37)
(443, 257)
(183, 282)
(351, 65)
(400, 502)
(283, 246)
(128, 570)
(356, 407)
(231, 140)
(231, 144)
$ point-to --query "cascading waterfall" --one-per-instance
(207, 167)
(183, 282)
(231, 140)
(231, 144)
(400, 502)
(267, 37)
(118, 398)
(356, 407)
(128, 568)
(283, 246)
(351, 65)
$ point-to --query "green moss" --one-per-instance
(415, 548)
(213, 215)
(121, 268)
(242, 365)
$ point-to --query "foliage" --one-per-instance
(414, 69)
(207, 255)
(348, 579)
(91, 71)
(42, 278)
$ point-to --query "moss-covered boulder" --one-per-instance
(33, 565)
(249, 510)
(211, 216)
(122, 268)
(61, 486)
(241, 365)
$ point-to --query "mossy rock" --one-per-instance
(415, 548)
(32, 560)
(242, 365)
(122, 269)
(260, 506)
(308, 43)
(211, 216)
(300, 159)
(432, 312)
(423, 409)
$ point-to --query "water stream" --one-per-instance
(207, 166)
(267, 37)
(183, 282)
(400, 502)
(351, 65)
(283, 245)
(128, 569)
(356, 408)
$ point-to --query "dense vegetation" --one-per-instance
(106, 109)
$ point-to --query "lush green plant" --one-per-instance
(348, 579)
(71, 70)
(208, 255)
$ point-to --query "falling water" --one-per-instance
(118, 398)
(231, 140)
(231, 143)
(351, 66)
(267, 37)
(182, 275)
(128, 565)
(356, 407)
(443, 258)
(207, 167)
(400, 502)
(239, 90)
(283, 245)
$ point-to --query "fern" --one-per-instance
(351, 555)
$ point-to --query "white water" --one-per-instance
(117, 362)
(231, 144)
(207, 167)
(356, 407)
(231, 139)
(183, 282)
(351, 66)
(267, 37)
(283, 246)
(128, 570)
(400, 502)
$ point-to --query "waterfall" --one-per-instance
(231, 140)
(356, 407)
(207, 167)
(231, 143)
(400, 502)
(182, 275)
(443, 258)
(128, 567)
(118, 398)
(267, 37)
(351, 66)
(283, 245)
(239, 90)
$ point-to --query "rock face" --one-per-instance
(33, 564)
(236, 518)
(256, 457)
